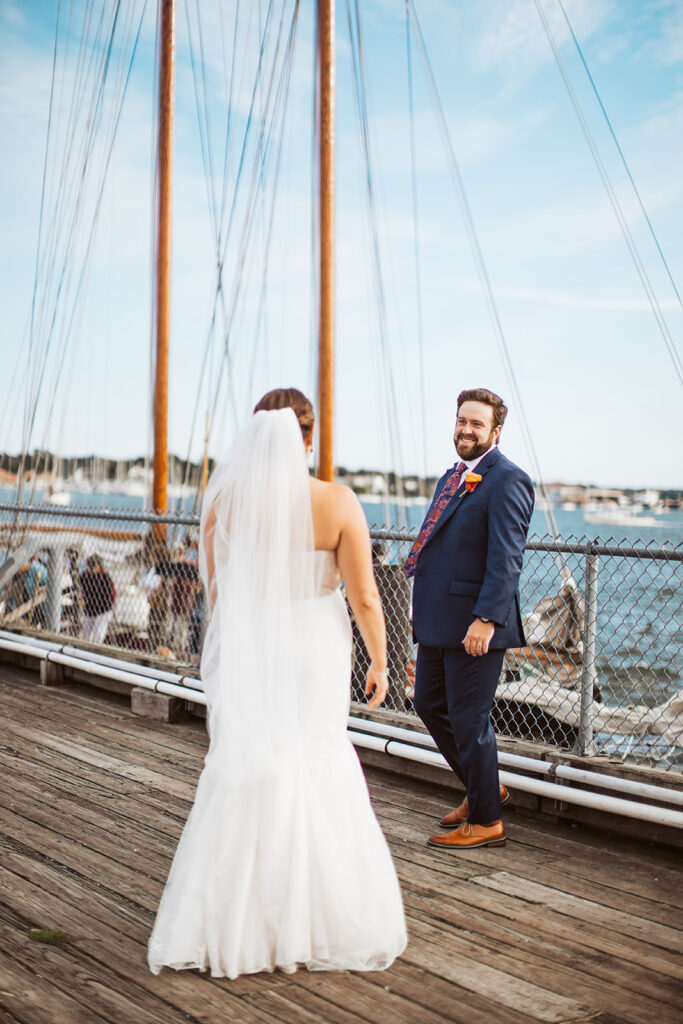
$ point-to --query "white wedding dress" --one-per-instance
(282, 862)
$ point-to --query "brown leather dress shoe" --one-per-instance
(469, 837)
(456, 817)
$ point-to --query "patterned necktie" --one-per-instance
(429, 525)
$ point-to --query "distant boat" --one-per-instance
(618, 515)
(543, 504)
(57, 496)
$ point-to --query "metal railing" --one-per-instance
(602, 672)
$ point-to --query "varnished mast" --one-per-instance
(163, 255)
(326, 138)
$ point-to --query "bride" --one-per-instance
(282, 862)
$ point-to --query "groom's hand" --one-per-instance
(478, 637)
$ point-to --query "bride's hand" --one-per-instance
(377, 683)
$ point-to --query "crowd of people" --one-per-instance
(169, 579)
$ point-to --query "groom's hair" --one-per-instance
(500, 409)
(289, 398)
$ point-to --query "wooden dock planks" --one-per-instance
(561, 925)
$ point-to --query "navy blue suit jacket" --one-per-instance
(472, 561)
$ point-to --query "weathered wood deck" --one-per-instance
(560, 925)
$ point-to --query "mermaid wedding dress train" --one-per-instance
(282, 862)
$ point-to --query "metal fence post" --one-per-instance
(584, 742)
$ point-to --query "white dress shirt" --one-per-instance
(475, 462)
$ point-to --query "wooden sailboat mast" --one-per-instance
(326, 139)
(163, 255)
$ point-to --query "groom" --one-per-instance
(466, 562)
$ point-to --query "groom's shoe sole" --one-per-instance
(470, 837)
(466, 846)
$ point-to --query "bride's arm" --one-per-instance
(207, 541)
(354, 557)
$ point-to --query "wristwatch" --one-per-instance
(482, 619)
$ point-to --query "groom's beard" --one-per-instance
(469, 451)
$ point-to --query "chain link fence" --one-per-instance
(602, 672)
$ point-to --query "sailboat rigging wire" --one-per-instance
(261, 157)
(228, 125)
(283, 91)
(247, 131)
(314, 309)
(621, 155)
(480, 265)
(251, 201)
(154, 178)
(46, 252)
(202, 115)
(42, 361)
(215, 217)
(71, 154)
(67, 331)
(35, 329)
(42, 190)
(612, 196)
(360, 92)
(418, 282)
(220, 291)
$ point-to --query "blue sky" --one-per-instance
(597, 385)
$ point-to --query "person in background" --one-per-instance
(154, 586)
(99, 595)
(72, 597)
(183, 570)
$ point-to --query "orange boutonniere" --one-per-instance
(471, 481)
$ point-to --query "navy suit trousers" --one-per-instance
(454, 694)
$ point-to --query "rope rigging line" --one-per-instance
(228, 100)
(76, 308)
(621, 155)
(47, 253)
(314, 311)
(42, 250)
(66, 264)
(202, 114)
(418, 283)
(243, 246)
(360, 93)
(219, 293)
(261, 162)
(65, 213)
(281, 102)
(612, 196)
(482, 271)
(43, 186)
(217, 218)
(274, 108)
(40, 353)
(63, 287)
(153, 218)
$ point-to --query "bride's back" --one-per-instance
(339, 525)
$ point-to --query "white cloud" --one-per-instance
(664, 47)
(511, 32)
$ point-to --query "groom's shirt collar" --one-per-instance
(475, 462)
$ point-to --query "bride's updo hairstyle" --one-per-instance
(289, 398)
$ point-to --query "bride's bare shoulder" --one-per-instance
(332, 494)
